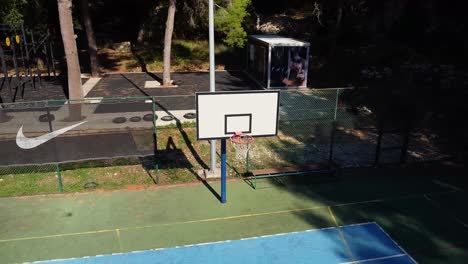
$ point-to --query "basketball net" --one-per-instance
(241, 144)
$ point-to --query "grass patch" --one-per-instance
(187, 55)
(27, 184)
(180, 157)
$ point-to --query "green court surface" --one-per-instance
(426, 216)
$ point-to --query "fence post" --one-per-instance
(332, 143)
(51, 54)
(332, 138)
(404, 148)
(155, 131)
(223, 170)
(59, 177)
(5, 73)
(155, 136)
(247, 163)
(379, 142)
(336, 103)
(49, 119)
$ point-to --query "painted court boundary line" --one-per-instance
(439, 206)
(345, 242)
(447, 185)
(200, 244)
(414, 196)
(376, 259)
(253, 238)
(394, 242)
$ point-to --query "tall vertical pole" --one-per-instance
(5, 73)
(52, 58)
(212, 78)
(333, 129)
(59, 177)
(58, 173)
(337, 97)
(223, 170)
(155, 138)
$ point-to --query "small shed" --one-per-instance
(277, 62)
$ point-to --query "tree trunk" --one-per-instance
(92, 46)
(73, 66)
(168, 42)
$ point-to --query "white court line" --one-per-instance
(241, 216)
(447, 185)
(374, 259)
(310, 230)
(203, 244)
(438, 205)
(251, 238)
(89, 85)
(394, 242)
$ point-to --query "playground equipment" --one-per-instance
(21, 60)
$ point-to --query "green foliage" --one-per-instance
(11, 12)
(230, 21)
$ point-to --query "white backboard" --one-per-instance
(221, 114)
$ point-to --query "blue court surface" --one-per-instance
(360, 243)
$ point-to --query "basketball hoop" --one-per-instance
(241, 144)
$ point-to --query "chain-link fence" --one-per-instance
(42, 137)
(306, 131)
(315, 126)
(318, 126)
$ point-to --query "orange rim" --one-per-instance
(236, 139)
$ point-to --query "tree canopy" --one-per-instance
(231, 21)
(11, 12)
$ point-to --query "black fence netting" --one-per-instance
(307, 122)
(319, 126)
(61, 131)
(315, 126)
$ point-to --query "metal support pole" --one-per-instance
(155, 131)
(5, 73)
(47, 59)
(336, 103)
(36, 61)
(212, 77)
(52, 59)
(247, 163)
(332, 136)
(15, 62)
(59, 177)
(379, 143)
(27, 70)
(332, 144)
(223, 170)
(49, 119)
(406, 137)
(25, 42)
(20, 47)
(155, 136)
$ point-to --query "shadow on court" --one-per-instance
(421, 208)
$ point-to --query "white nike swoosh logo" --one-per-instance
(29, 143)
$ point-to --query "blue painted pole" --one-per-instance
(223, 170)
